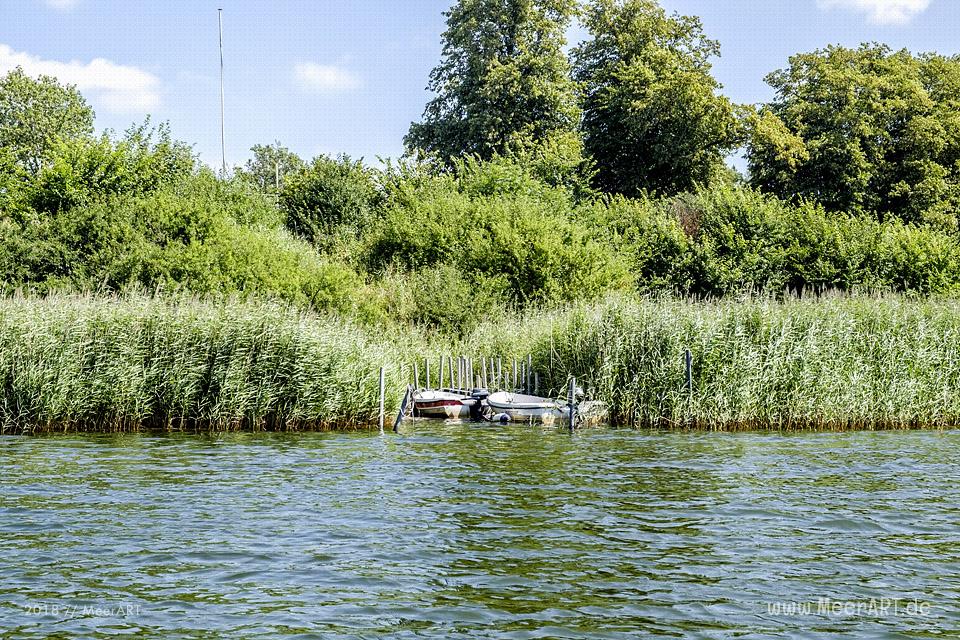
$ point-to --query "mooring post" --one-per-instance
(572, 395)
(688, 357)
(536, 384)
(426, 363)
(514, 375)
(529, 372)
(484, 372)
(383, 390)
(499, 382)
(440, 383)
(416, 375)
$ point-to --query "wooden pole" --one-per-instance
(426, 363)
(499, 382)
(573, 402)
(688, 357)
(383, 390)
(529, 372)
(440, 384)
(416, 375)
(514, 375)
(484, 385)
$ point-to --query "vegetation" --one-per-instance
(653, 120)
(35, 114)
(503, 81)
(865, 130)
(76, 362)
(126, 262)
(73, 362)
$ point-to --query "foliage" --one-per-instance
(270, 165)
(179, 363)
(865, 130)
(652, 119)
(494, 220)
(503, 80)
(329, 198)
(35, 113)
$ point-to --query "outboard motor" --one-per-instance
(476, 407)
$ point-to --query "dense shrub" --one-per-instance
(330, 197)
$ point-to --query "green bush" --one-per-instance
(331, 197)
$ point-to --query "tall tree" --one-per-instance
(504, 79)
(270, 163)
(652, 118)
(35, 113)
(867, 130)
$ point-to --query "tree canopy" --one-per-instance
(652, 118)
(866, 130)
(504, 79)
(270, 163)
(35, 113)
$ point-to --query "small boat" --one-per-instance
(523, 408)
(442, 404)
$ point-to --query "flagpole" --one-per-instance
(223, 148)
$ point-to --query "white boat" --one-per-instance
(442, 404)
(524, 408)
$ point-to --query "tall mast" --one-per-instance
(223, 147)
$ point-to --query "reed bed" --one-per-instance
(825, 363)
(118, 364)
(110, 364)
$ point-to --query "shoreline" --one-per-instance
(74, 363)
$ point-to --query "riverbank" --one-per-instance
(76, 363)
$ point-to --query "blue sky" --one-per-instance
(348, 76)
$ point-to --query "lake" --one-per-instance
(462, 531)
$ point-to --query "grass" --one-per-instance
(107, 364)
(117, 364)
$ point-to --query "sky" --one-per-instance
(349, 76)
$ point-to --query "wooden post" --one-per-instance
(440, 384)
(383, 390)
(416, 375)
(573, 402)
(484, 385)
(688, 357)
(453, 378)
(514, 375)
(529, 373)
(426, 363)
(499, 382)
(536, 384)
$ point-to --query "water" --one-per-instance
(462, 531)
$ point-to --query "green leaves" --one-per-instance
(652, 118)
(328, 197)
(35, 113)
(503, 79)
(865, 130)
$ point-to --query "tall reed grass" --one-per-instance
(111, 364)
(87, 363)
(833, 362)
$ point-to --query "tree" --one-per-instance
(503, 79)
(652, 119)
(327, 197)
(270, 164)
(35, 113)
(865, 130)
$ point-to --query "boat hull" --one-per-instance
(523, 408)
(441, 405)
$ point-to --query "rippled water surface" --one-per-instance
(463, 531)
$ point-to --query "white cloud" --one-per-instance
(115, 87)
(324, 78)
(62, 5)
(881, 11)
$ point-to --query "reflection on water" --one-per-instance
(480, 531)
